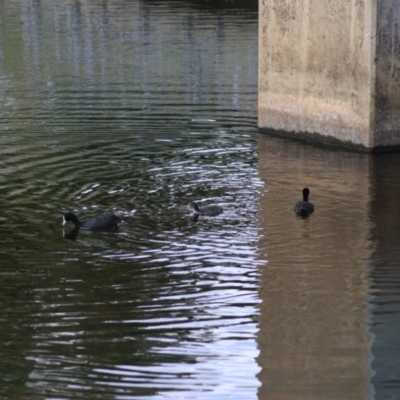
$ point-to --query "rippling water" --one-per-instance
(134, 108)
(137, 108)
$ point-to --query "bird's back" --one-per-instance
(303, 207)
(105, 222)
(211, 210)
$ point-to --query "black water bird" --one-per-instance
(209, 211)
(304, 207)
(105, 222)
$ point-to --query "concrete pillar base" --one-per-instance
(331, 71)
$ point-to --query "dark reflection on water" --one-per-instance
(134, 108)
(385, 277)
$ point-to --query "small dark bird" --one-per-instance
(304, 208)
(209, 211)
(105, 222)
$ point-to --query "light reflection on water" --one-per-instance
(314, 331)
(134, 108)
(137, 108)
(329, 311)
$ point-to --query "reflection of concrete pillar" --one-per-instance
(385, 276)
(331, 70)
(313, 336)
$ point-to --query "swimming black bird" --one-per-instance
(209, 211)
(104, 222)
(304, 207)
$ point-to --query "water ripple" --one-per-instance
(120, 109)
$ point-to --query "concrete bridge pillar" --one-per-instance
(330, 71)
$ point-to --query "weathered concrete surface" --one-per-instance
(387, 87)
(331, 68)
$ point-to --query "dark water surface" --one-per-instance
(137, 108)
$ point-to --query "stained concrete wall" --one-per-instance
(387, 85)
(331, 70)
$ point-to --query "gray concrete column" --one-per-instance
(330, 70)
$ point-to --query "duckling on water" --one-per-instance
(304, 207)
(209, 211)
(104, 222)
